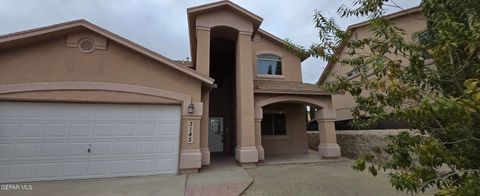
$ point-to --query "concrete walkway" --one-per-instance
(150, 185)
(224, 177)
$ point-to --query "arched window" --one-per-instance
(269, 64)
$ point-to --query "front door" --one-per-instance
(215, 134)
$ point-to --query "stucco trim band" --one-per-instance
(52, 86)
(293, 99)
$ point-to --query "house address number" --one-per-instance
(190, 132)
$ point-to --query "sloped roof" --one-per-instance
(277, 40)
(284, 87)
(33, 35)
(353, 27)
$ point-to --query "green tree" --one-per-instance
(435, 90)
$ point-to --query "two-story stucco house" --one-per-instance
(77, 101)
(411, 20)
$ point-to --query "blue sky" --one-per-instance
(161, 25)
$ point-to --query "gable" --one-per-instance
(55, 60)
(37, 35)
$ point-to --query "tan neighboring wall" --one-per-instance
(291, 68)
(411, 23)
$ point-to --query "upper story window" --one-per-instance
(269, 64)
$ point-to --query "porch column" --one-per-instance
(190, 156)
(246, 151)
(203, 50)
(328, 146)
(204, 127)
(258, 133)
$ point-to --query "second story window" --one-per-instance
(269, 64)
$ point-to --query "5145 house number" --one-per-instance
(190, 132)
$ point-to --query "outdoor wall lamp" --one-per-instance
(190, 108)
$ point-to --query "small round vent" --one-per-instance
(86, 45)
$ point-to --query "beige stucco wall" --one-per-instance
(224, 18)
(291, 68)
(296, 139)
(52, 61)
(344, 103)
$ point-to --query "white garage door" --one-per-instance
(54, 141)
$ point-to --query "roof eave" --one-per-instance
(278, 41)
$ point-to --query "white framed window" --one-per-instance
(269, 64)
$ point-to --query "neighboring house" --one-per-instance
(77, 101)
(410, 20)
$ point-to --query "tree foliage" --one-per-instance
(431, 82)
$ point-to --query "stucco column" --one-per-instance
(190, 155)
(328, 146)
(204, 127)
(258, 133)
(246, 151)
(203, 50)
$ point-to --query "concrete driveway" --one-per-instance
(151, 185)
(324, 178)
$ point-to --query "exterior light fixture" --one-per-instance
(190, 108)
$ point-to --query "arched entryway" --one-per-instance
(222, 113)
(280, 125)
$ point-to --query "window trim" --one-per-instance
(270, 76)
(273, 136)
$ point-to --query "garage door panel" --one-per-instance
(55, 129)
(81, 129)
(166, 146)
(30, 129)
(8, 130)
(5, 150)
(99, 168)
(147, 129)
(54, 149)
(143, 166)
(50, 141)
(125, 130)
(48, 170)
(164, 165)
(77, 148)
(101, 148)
(74, 169)
(122, 167)
(25, 150)
(145, 147)
(125, 148)
(167, 129)
(21, 171)
(103, 129)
